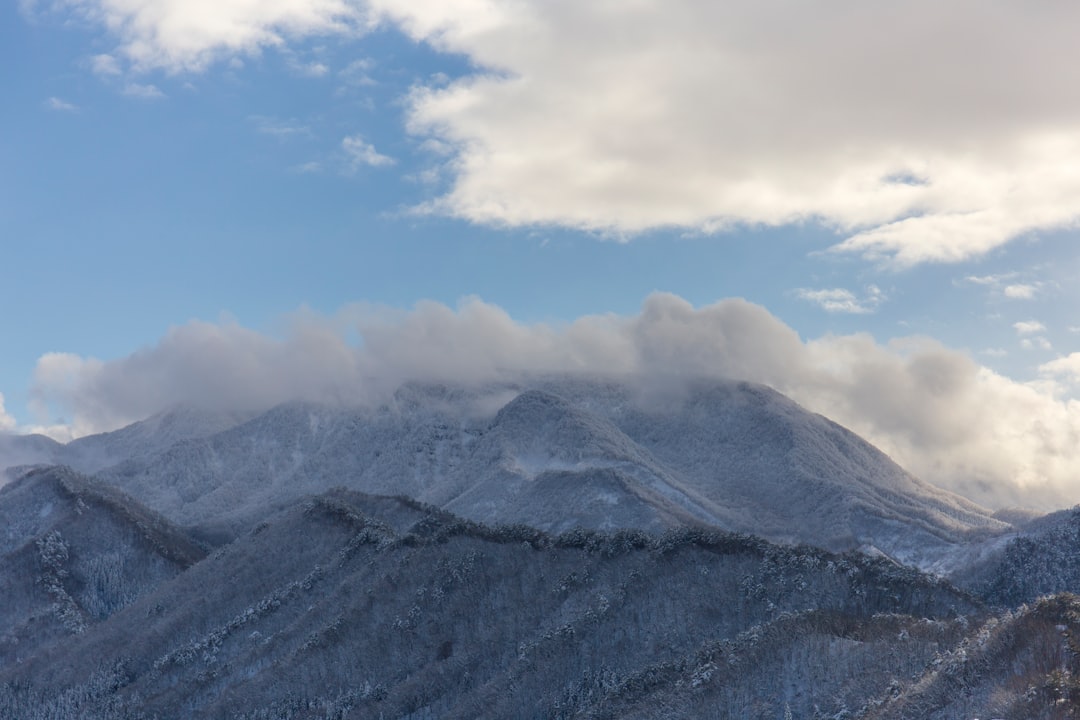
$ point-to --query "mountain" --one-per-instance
(556, 549)
(1043, 559)
(1022, 665)
(24, 450)
(92, 453)
(350, 606)
(145, 438)
(558, 453)
(72, 553)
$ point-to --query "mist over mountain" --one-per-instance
(935, 410)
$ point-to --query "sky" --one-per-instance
(870, 206)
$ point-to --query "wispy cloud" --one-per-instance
(1007, 285)
(358, 73)
(310, 69)
(308, 168)
(1031, 335)
(55, 103)
(840, 300)
(105, 65)
(360, 153)
(143, 91)
(1020, 291)
(1029, 327)
(1036, 343)
(991, 280)
(281, 129)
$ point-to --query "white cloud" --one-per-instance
(55, 103)
(143, 91)
(840, 300)
(991, 280)
(105, 65)
(311, 69)
(308, 168)
(1029, 327)
(7, 423)
(1020, 291)
(904, 126)
(358, 73)
(360, 153)
(1036, 343)
(281, 129)
(1007, 285)
(951, 421)
(1066, 367)
(189, 35)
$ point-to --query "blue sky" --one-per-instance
(168, 164)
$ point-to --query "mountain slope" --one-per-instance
(144, 438)
(1019, 666)
(327, 610)
(1043, 559)
(797, 476)
(22, 450)
(72, 553)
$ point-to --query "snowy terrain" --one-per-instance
(352, 606)
(554, 549)
(555, 454)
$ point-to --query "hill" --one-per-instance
(72, 553)
(326, 610)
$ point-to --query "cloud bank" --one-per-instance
(935, 410)
(921, 131)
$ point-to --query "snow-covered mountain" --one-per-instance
(146, 438)
(92, 453)
(558, 453)
(22, 450)
(350, 606)
(347, 606)
(1042, 559)
(418, 585)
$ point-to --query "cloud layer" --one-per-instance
(925, 131)
(936, 411)
(921, 131)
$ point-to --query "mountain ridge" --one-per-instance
(557, 452)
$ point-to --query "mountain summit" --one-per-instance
(558, 453)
